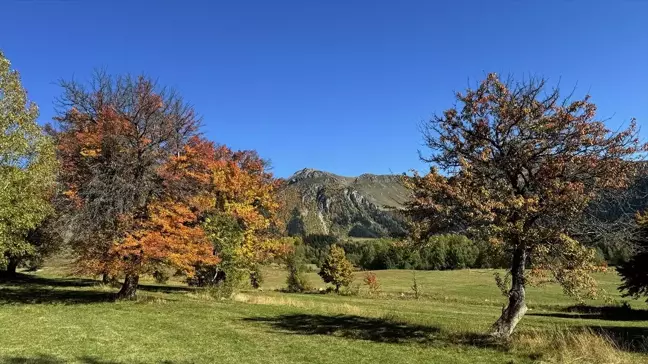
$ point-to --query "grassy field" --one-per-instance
(47, 318)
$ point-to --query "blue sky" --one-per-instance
(334, 85)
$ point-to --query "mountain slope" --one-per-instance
(317, 202)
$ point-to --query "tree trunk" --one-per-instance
(128, 290)
(516, 308)
(12, 265)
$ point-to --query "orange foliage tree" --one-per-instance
(241, 218)
(121, 145)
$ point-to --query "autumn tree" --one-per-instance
(336, 268)
(240, 221)
(634, 273)
(122, 145)
(516, 164)
(27, 170)
(239, 205)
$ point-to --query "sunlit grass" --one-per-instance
(49, 319)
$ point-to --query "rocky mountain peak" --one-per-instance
(309, 173)
(321, 202)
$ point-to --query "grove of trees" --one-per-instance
(124, 178)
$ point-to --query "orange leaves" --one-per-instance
(168, 236)
(204, 180)
(232, 184)
(139, 183)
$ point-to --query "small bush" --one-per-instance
(161, 276)
(350, 290)
(371, 281)
(336, 269)
(416, 287)
(296, 280)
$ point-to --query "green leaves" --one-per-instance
(27, 166)
(337, 269)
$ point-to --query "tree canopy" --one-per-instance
(27, 169)
(122, 144)
(514, 163)
(336, 268)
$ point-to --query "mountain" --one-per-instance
(318, 202)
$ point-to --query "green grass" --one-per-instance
(49, 319)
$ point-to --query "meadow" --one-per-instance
(48, 317)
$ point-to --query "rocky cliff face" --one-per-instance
(317, 202)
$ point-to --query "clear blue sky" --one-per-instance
(333, 85)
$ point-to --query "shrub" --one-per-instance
(350, 290)
(162, 275)
(256, 277)
(336, 269)
(296, 280)
(371, 281)
(416, 287)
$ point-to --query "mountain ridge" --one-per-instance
(320, 202)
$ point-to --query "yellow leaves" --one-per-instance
(567, 262)
(90, 152)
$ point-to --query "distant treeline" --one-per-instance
(438, 253)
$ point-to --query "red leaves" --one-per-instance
(519, 160)
(132, 179)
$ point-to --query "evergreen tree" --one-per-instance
(634, 273)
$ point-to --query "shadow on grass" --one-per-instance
(35, 295)
(611, 313)
(165, 289)
(21, 279)
(32, 289)
(372, 329)
(351, 327)
(48, 359)
(626, 338)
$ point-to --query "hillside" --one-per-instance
(317, 202)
